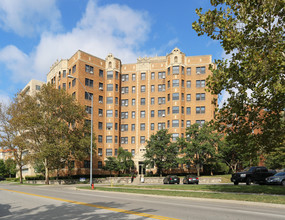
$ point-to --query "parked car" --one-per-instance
(191, 179)
(277, 179)
(171, 179)
(252, 175)
(2, 178)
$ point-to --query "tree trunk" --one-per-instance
(21, 175)
(198, 169)
(47, 173)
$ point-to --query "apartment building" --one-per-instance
(134, 101)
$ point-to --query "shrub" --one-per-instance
(36, 177)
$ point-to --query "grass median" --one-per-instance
(254, 193)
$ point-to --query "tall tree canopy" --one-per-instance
(160, 152)
(252, 32)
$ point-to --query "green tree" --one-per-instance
(276, 158)
(125, 160)
(160, 152)
(10, 167)
(13, 135)
(200, 145)
(111, 164)
(56, 130)
(2, 168)
(251, 32)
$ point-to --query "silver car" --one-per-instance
(277, 179)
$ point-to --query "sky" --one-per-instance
(36, 33)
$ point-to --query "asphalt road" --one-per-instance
(64, 202)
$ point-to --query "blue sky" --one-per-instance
(35, 33)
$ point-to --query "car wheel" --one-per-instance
(236, 182)
(248, 181)
(283, 183)
(197, 183)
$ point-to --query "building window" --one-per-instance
(117, 87)
(116, 139)
(175, 110)
(152, 113)
(161, 87)
(200, 70)
(116, 125)
(100, 164)
(109, 126)
(188, 97)
(88, 109)
(175, 70)
(125, 102)
(182, 123)
(142, 76)
(109, 113)
(100, 152)
(133, 152)
(168, 84)
(189, 71)
(175, 83)
(109, 100)
(200, 122)
(125, 90)
(175, 136)
(152, 101)
(175, 123)
(182, 70)
(168, 123)
(116, 100)
(109, 152)
(124, 127)
(133, 140)
(200, 83)
(142, 126)
(73, 82)
(38, 87)
(133, 89)
(89, 69)
(152, 88)
(188, 123)
(116, 152)
(188, 110)
(110, 75)
(188, 84)
(142, 114)
(100, 125)
(74, 69)
(142, 139)
(125, 77)
(133, 127)
(161, 113)
(133, 114)
(161, 125)
(134, 77)
(200, 96)
(100, 139)
(88, 95)
(124, 115)
(110, 87)
(182, 96)
(124, 140)
(161, 100)
(142, 101)
(182, 83)
(117, 75)
(101, 73)
(152, 75)
(100, 86)
(64, 86)
(143, 88)
(182, 109)
(152, 126)
(161, 75)
(73, 95)
(175, 96)
(109, 139)
(200, 109)
(63, 73)
(133, 102)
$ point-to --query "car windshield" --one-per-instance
(280, 174)
(250, 169)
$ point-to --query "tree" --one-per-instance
(125, 161)
(13, 135)
(54, 123)
(111, 164)
(10, 165)
(160, 152)
(200, 145)
(276, 159)
(2, 168)
(251, 32)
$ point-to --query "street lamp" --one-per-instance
(90, 96)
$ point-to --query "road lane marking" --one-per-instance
(96, 206)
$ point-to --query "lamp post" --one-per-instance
(91, 147)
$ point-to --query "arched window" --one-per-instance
(175, 59)
(110, 64)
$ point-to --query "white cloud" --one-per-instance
(102, 29)
(4, 99)
(29, 17)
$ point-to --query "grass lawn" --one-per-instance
(267, 194)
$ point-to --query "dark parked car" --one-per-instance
(2, 178)
(252, 175)
(191, 179)
(171, 179)
(277, 179)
